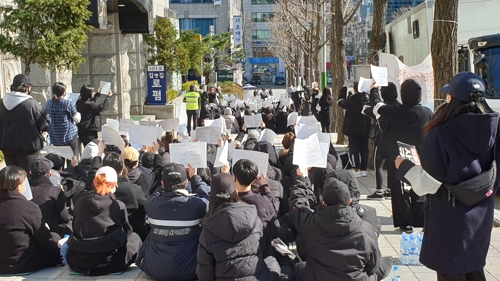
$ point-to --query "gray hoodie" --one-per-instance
(13, 99)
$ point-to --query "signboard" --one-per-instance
(224, 75)
(157, 85)
(263, 60)
(237, 31)
(423, 73)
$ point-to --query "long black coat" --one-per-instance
(229, 245)
(356, 124)
(456, 239)
(325, 115)
(26, 244)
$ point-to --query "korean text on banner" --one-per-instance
(379, 74)
(260, 158)
(64, 151)
(194, 153)
(143, 135)
(110, 136)
(423, 74)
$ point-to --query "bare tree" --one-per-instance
(302, 21)
(399, 11)
(378, 37)
(342, 12)
(444, 46)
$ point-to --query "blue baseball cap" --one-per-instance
(463, 84)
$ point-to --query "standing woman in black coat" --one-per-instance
(90, 110)
(406, 124)
(25, 242)
(460, 148)
(326, 115)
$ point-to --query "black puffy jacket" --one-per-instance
(91, 113)
(229, 245)
(356, 124)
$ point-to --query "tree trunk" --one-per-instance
(378, 37)
(338, 71)
(444, 47)
(377, 42)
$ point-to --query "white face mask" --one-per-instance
(113, 190)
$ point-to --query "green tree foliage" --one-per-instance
(220, 53)
(177, 53)
(194, 51)
(51, 33)
(163, 46)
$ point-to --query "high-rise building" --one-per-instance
(260, 61)
(202, 15)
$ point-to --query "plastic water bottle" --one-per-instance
(63, 248)
(395, 276)
(414, 252)
(404, 249)
(420, 237)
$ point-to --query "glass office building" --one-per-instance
(393, 5)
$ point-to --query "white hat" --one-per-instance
(110, 173)
(90, 151)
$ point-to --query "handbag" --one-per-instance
(473, 191)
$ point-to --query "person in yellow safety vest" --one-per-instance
(192, 100)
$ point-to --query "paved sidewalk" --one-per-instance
(388, 243)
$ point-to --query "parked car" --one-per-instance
(329, 80)
(255, 81)
(280, 81)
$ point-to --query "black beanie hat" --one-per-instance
(411, 92)
(389, 92)
(336, 192)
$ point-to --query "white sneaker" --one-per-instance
(356, 173)
(363, 173)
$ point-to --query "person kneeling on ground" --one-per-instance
(26, 243)
(102, 241)
(169, 251)
(335, 233)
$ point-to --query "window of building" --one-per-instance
(261, 52)
(191, 1)
(202, 26)
(262, 2)
(261, 17)
(261, 34)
